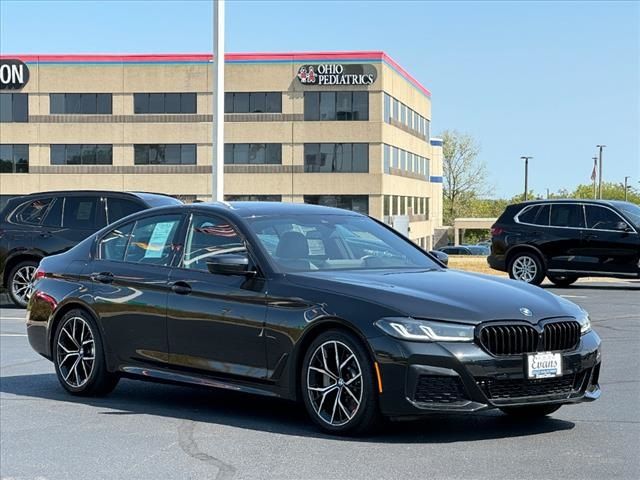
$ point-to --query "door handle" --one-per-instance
(45, 235)
(181, 288)
(102, 277)
(589, 237)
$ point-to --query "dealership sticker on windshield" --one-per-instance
(544, 365)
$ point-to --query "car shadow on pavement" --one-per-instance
(271, 415)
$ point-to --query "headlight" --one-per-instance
(425, 330)
(585, 322)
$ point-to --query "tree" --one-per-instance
(465, 177)
(610, 191)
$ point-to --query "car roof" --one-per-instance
(141, 195)
(570, 200)
(259, 209)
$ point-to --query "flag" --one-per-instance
(593, 173)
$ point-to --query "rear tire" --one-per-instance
(527, 267)
(562, 281)
(338, 384)
(78, 356)
(531, 411)
(20, 282)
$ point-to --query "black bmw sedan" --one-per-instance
(307, 303)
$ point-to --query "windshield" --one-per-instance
(301, 243)
(631, 211)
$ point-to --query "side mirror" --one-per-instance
(623, 227)
(443, 257)
(231, 264)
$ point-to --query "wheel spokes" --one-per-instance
(75, 342)
(345, 385)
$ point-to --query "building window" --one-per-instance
(387, 158)
(356, 203)
(253, 198)
(165, 154)
(387, 206)
(253, 102)
(253, 153)
(164, 103)
(14, 107)
(336, 157)
(406, 116)
(90, 154)
(80, 103)
(328, 106)
(14, 158)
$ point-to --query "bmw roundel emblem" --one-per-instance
(526, 312)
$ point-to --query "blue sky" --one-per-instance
(548, 79)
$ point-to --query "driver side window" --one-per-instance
(208, 237)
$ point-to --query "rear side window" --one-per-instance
(567, 215)
(114, 244)
(152, 240)
(528, 215)
(32, 213)
(81, 213)
(54, 215)
(600, 218)
(118, 208)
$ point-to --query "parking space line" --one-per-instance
(13, 334)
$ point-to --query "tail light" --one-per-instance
(496, 231)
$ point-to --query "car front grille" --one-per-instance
(439, 389)
(515, 339)
(561, 335)
(508, 389)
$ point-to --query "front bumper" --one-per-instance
(419, 378)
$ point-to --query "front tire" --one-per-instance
(562, 281)
(530, 411)
(527, 267)
(338, 385)
(20, 282)
(78, 356)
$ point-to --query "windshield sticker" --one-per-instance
(158, 240)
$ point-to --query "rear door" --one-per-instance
(563, 237)
(607, 247)
(130, 286)
(70, 220)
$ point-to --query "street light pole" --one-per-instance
(526, 176)
(217, 110)
(626, 188)
(595, 161)
(600, 147)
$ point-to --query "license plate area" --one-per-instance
(544, 365)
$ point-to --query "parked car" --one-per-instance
(465, 250)
(567, 239)
(41, 224)
(305, 302)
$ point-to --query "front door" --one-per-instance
(608, 247)
(215, 322)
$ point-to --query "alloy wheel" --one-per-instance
(75, 352)
(524, 268)
(22, 283)
(334, 383)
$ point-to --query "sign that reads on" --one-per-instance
(337, 74)
(14, 74)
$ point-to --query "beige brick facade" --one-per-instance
(122, 77)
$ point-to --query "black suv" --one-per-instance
(41, 224)
(567, 239)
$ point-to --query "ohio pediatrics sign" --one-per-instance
(337, 74)
(14, 74)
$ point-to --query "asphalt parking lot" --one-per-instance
(156, 431)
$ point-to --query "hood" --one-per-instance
(448, 295)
